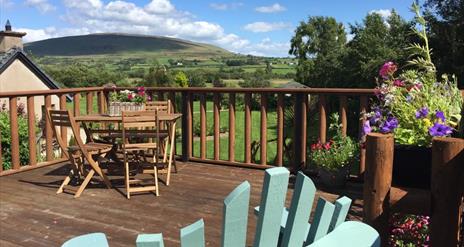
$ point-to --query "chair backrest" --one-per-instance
(64, 119)
(160, 106)
(139, 120)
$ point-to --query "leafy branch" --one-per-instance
(420, 54)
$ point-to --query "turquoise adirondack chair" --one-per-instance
(276, 225)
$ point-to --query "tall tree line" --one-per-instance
(329, 57)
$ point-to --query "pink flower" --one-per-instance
(130, 96)
(398, 83)
(387, 70)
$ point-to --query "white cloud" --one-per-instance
(262, 27)
(226, 6)
(160, 7)
(42, 5)
(271, 8)
(385, 13)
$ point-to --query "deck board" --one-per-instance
(31, 214)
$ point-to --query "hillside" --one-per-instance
(114, 44)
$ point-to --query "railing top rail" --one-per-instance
(49, 92)
(335, 91)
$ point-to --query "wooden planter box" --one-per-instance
(116, 108)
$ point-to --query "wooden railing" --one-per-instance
(350, 103)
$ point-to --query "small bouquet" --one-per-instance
(138, 97)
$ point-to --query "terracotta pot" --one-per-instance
(412, 166)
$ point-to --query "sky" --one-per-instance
(256, 27)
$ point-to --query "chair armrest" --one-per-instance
(97, 239)
(351, 234)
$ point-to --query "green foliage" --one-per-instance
(446, 32)
(259, 79)
(374, 41)
(318, 44)
(158, 77)
(181, 79)
(6, 137)
(339, 152)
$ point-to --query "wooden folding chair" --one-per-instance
(78, 153)
(135, 150)
(164, 107)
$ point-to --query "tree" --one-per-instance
(374, 42)
(158, 77)
(446, 34)
(181, 79)
(318, 44)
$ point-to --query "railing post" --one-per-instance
(377, 182)
(362, 150)
(280, 129)
(447, 170)
(202, 126)
(77, 104)
(343, 119)
(89, 102)
(31, 130)
(186, 127)
(247, 128)
(48, 129)
(263, 141)
(298, 132)
(101, 102)
(14, 133)
(322, 119)
(63, 129)
(216, 112)
(232, 127)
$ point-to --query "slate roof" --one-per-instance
(6, 58)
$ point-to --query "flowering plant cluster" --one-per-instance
(409, 230)
(130, 96)
(414, 104)
(338, 152)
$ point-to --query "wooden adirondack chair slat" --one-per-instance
(193, 235)
(272, 203)
(300, 209)
(235, 214)
(150, 240)
(321, 221)
(342, 205)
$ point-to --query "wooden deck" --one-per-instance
(31, 214)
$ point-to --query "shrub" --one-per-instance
(6, 136)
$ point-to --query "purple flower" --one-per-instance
(422, 113)
(439, 129)
(366, 128)
(440, 115)
(389, 125)
(376, 117)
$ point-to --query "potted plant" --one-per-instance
(416, 105)
(127, 101)
(333, 159)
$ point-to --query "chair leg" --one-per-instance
(127, 178)
(84, 183)
(156, 181)
(65, 182)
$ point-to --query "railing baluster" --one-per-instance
(101, 102)
(248, 128)
(14, 133)
(322, 119)
(89, 102)
(77, 104)
(202, 126)
(217, 113)
(263, 129)
(304, 123)
(186, 127)
(31, 131)
(232, 127)
(48, 129)
(63, 129)
(343, 106)
(362, 151)
(280, 129)
(172, 98)
(299, 146)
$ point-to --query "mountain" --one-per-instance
(115, 43)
